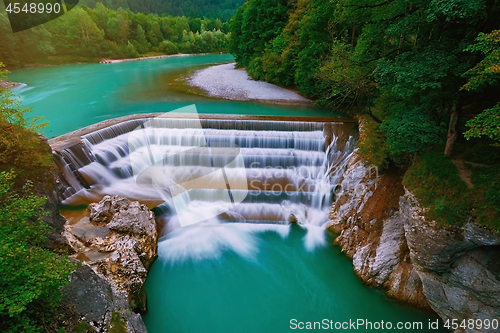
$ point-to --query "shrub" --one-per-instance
(434, 180)
(168, 47)
(30, 275)
(486, 199)
(20, 147)
(372, 143)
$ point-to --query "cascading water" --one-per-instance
(286, 170)
(214, 276)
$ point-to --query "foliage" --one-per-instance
(372, 144)
(20, 147)
(30, 276)
(87, 34)
(223, 9)
(255, 25)
(485, 73)
(410, 132)
(487, 123)
(485, 153)
(486, 182)
(405, 57)
(435, 182)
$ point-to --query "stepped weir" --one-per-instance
(244, 169)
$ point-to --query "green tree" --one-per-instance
(114, 29)
(142, 44)
(254, 26)
(101, 16)
(484, 75)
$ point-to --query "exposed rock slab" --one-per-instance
(367, 217)
(4, 84)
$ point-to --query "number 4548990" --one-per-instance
(471, 324)
(33, 8)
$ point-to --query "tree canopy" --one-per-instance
(212, 9)
(401, 63)
(484, 75)
(91, 34)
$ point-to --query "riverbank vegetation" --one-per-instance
(88, 35)
(30, 274)
(423, 76)
(20, 146)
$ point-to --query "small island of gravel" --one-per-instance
(225, 81)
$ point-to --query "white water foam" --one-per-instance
(103, 161)
(209, 240)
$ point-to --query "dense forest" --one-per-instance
(85, 34)
(422, 75)
(212, 9)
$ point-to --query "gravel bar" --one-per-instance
(224, 81)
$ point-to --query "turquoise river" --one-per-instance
(219, 277)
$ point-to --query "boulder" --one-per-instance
(119, 255)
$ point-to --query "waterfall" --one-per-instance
(251, 171)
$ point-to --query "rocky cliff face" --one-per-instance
(117, 244)
(51, 188)
(453, 271)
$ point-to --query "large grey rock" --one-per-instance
(134, 219)
(89, 296)
(103, 211)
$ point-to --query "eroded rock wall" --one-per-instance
(459, 267)
(371, 228)
(454, 271)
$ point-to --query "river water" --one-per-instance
(250, 270)
(74, 96)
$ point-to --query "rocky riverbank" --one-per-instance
(117, 244)
(113, 61)
(454, 270)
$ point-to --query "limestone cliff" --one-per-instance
(454, 271)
